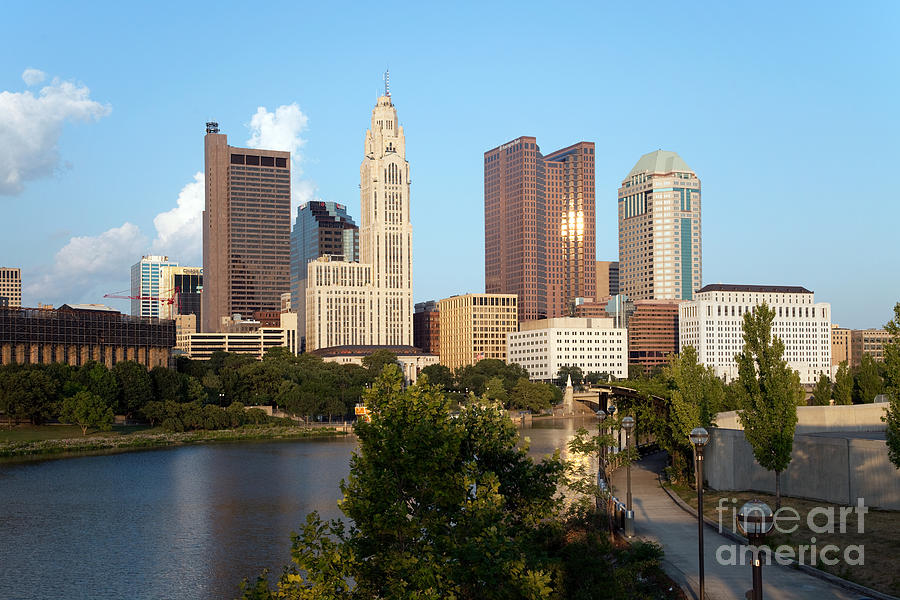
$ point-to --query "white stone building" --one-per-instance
(370, 303)
(712, 323)
(201, 346)
(593, 345)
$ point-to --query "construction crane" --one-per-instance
(164, 299)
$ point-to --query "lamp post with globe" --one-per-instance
(699, 438)
(755, 520)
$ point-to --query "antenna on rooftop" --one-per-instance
(387, 83)
(212, 127)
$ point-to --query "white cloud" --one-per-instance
(281, 130)
(33, 76)
(178, 232)
(89, 266)
(30, 127)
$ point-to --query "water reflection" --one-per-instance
(186, 522)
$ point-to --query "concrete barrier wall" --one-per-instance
(811, 419)
(832, 469)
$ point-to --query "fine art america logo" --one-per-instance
(820, 520)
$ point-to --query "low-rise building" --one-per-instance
(594, 345)
(78, 333)
(712, 323)
(474, 327)
(201, 346)
(411, 359)
(868, 341)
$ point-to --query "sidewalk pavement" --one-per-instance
(658, 518)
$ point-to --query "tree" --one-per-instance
(135, 387)
(441, 508)
(97, 379)
(377, 361)
(822, 393)
(495, 390)
(439, 375)
(892, 387)
(562, 376)
(27, 394)
(769, 391)
(843, 385)
(87, 409)
(167, 384)
(868, 380)
(697, 394)
(531, 396)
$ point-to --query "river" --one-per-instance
(186, 522)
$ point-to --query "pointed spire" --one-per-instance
(569, 381)
(387, 83)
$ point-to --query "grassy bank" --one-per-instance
(62, 439)
(878, 535)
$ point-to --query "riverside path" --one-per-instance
(658, 518)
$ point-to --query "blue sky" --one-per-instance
(787, 112)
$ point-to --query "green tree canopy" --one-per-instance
(697, 394)
(377, 361)
(868, 380)
(87, 409)
(843, 385)
(439, 375)
(441, 507)
(134, 387)
(562, 376)
(769, 391)
(892, 387)
(822, 393)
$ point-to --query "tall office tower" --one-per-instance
(188, 281)
(539, 226)
(246, 229)
(320, 229)
(607, 279)
(660, 250)
(370, 302)
(147, 283)
(10, 287)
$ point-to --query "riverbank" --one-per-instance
(142, 440)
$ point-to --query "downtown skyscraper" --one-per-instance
(660, 249)
(369, 303)
(246, 229)
(539, 226)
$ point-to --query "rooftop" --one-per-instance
(659, 161)
(774, 289)
(367, 350)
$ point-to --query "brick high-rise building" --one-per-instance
(427, 327)
(653, 332)
(660, 252)
(246, 229)
(539, 226)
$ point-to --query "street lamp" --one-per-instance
(756, 520)
(628, 425)
(699, 438)
(601, 463)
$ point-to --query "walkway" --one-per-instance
(658, 518)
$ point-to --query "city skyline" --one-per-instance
(785, 137)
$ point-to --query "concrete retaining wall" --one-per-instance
(854, 417)
(833, 469)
